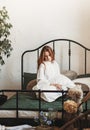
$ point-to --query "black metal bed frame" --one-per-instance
(17, 120)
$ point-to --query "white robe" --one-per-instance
(49, 73)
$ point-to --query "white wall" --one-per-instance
(37, 21)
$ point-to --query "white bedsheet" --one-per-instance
(85, 80)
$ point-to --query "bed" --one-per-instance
(23, 105)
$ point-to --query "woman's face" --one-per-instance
(47, 56)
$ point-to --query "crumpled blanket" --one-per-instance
(19, 127)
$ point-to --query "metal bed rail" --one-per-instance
(35, 91)
(39, 99)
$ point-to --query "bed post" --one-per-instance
(69, 53)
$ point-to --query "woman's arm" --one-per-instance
(41, 72)
(58, 86)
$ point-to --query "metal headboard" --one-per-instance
(53, 43)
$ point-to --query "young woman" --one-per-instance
(49, 77)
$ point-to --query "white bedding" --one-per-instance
(83, 80)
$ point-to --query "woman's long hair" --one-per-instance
(42, 58)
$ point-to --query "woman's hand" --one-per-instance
(58, 86)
